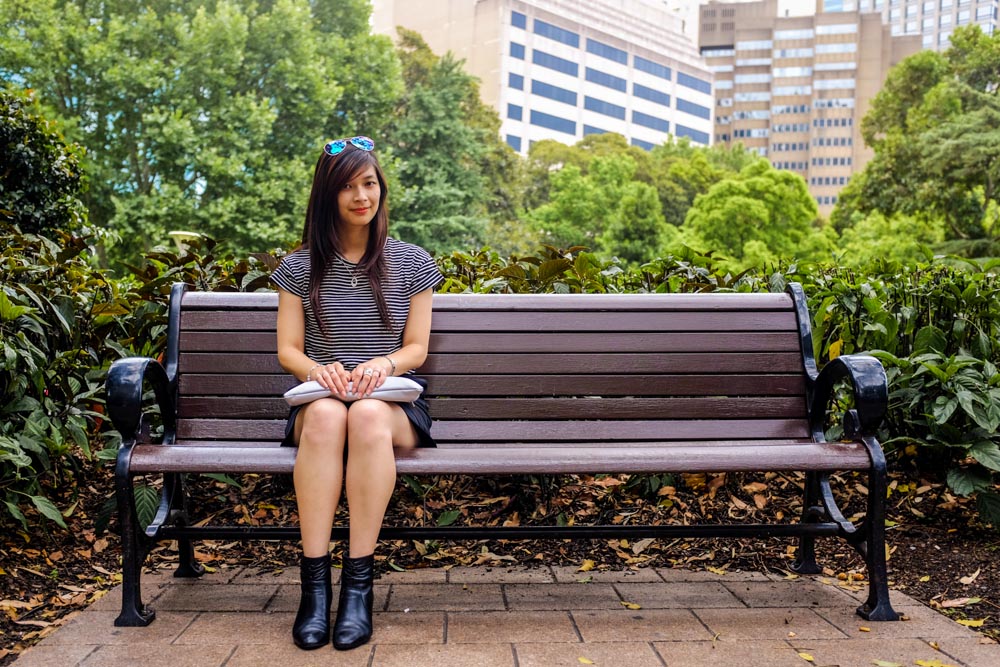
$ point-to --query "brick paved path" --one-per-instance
(514, 617)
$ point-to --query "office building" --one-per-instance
(933, 20)
(563, 69)
(795, 88)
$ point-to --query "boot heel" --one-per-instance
(311, 629)
(353, 626)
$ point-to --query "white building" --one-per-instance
(563, 69)
(934, 20)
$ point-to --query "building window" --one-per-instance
(844, 47)
(551, 122)
(607, 80)
(653, 122)
(649, 67)
(762, 96)
(553, 92)
(945, 20)
(518, 20)
(515, 81)
(724, 85)
(694, 83)
(794, 53)
(590, 129)
(517, 50)
(792, 72)
(804, 33)
(717, 53)
(694, 135)
(780, 91)
(833, 84)
(755, 45)
(556, 33)
(605, 51)
(693, 109)
(554, 62)
(650, 94)
(644, 145)
(837, 29)
(514, 111)
(752, 62)
(605, 108)
(514, 142)
(832, 67)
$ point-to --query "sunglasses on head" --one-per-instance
(336, 147)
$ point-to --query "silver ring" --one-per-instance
(368, 371)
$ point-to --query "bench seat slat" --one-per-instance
(532, 408)
(679, 457)
(489, 431)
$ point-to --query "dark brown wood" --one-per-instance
(534, 408)
(623, 342)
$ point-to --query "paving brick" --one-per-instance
(166, 576)
(231, 597)
(570, 574)
(629, 625)
(427, 575)
(612, 654)
(562, 596)
(54, 656)
(451, 597)
(923, 622)
(679, 595)
(158, 656)
(112, 600)
(449, 655)
(284, 576)
(98, 627)
(291, 655)
(670, 574)
(489, 627)
(774, 653)
(288, 596)
(501, 575)
(798, 593)
(972, 651)
(245, 627)
(409, 628)
(732, 624)
(841, 652)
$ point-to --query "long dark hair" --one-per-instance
(321, 234)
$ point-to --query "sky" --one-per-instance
(688, 11)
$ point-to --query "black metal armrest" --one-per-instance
(871, 392)
(124, 385)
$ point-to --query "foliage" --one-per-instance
(199, 115)
(933, 127)
(40, 181)
(899, 237)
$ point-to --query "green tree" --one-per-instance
(40, 180)
(200, 115)
(760, 214)
(899, 238)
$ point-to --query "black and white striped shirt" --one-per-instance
(353, 329)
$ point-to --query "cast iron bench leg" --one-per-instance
(877, 607)
(187, 566)
(805, 557)
(134, 613)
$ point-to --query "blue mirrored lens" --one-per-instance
(364, 143)
(335, 147)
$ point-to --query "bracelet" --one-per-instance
(309, 374)
(393, 363)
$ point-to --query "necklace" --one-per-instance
(353, 272)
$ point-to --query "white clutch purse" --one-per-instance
(394, 389)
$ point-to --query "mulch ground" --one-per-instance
(939, 554)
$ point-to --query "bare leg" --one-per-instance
(320, 431)
(373, 428)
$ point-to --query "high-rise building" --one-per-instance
(795, 88)
(933, 20)
(563, 69)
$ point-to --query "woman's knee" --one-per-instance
(369, 419)
(325, 418)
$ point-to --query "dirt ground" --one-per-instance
(939, 554)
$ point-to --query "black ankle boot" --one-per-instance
(312, 624)
(353, 626)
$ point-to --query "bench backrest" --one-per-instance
(553, 368)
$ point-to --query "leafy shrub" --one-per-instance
(40, 181)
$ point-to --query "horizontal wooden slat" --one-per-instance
(554, 431)
(623, 342)
(494, 302)
(678, 457)
(535, 408)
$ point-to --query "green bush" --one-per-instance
(40, 177)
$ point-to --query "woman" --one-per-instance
(354, 307)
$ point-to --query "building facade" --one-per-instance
(796, 88)
(933, 20)
(563, 69)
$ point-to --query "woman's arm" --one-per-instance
(292, 345)
(416, 340)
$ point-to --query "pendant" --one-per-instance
(354, 282)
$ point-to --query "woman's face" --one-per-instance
(358, 200)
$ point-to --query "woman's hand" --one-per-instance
(333, 377)
(369, 376)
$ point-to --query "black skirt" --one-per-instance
(417, 412)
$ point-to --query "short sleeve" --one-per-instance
(292, 275)
(424, 272)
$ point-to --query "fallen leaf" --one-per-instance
(925, 578)
(807, 657)
(933, 663)
(886, 663)
(642, 545)
(587, 566)
(864, 629)
(716, 570)
(631, 605)
(585, 661)
(585, 580)
(759, 500)
(754, 487)
(960, 602)
(972, 577)
(969, 623)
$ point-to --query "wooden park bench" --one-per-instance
(525, 384)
